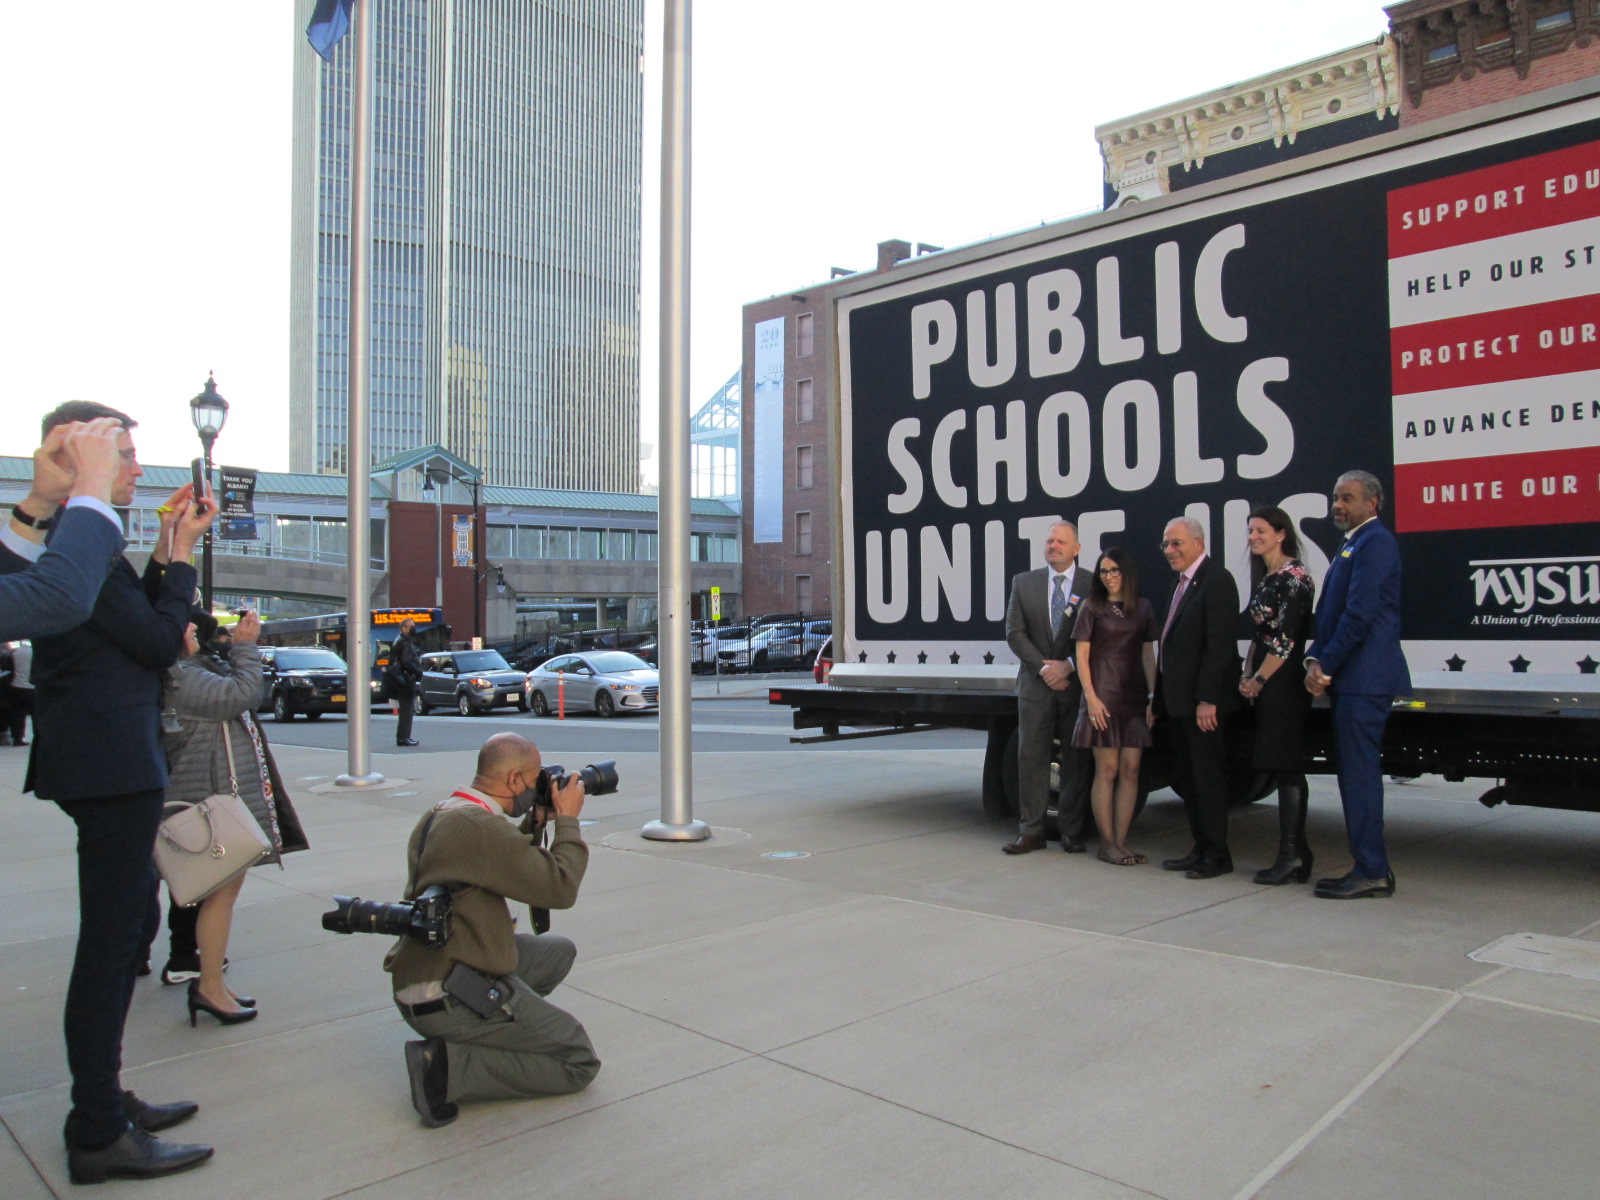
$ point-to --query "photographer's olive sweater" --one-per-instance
(467, 844)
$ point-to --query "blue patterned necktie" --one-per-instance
(1058, 607)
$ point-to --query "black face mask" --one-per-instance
(524, 802)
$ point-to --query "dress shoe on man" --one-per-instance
(153, 1118)
(427, 1065)
(408, 742)
(1187, 863)
(1073, 845)
(1354, 887)
(1025, 844)
(1210, 868)
(134, 1155)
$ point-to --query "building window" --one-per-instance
(804, 340)
(802, 533)
(803, 412)
(802, 594)
(802, 466)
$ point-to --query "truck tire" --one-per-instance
(1010, 779)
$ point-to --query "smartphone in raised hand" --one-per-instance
(198, 468)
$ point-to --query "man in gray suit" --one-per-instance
(50, 591)
(1039, 619)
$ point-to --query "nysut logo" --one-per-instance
(1536, 591)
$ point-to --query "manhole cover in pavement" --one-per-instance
(1543, 952)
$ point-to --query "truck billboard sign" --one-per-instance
(1428, 313)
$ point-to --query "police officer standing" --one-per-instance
(478, 1000)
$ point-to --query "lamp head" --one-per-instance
(209, 411)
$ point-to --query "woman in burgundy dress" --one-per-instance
(1116, 634)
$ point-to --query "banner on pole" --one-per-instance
(236, 513)
(462, 525)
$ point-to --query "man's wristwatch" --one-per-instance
(32, 522)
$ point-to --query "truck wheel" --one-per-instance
(282, 710)
(541, 706)
(1010, 777)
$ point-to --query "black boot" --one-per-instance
(1294, 856)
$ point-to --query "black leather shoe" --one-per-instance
(134, 1155)
(1354, 887)
(1210, 868)
(427, 1065)
(1073, 845)
(408, 742)
(1187, 863)
(153, 1118)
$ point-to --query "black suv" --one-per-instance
(302, 680)
(470, 681)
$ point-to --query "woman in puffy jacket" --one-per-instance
(201, 700)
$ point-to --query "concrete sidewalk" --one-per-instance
(904, 1012)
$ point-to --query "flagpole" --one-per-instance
(677, 823)
(358, 458)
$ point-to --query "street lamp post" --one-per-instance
(210, 412)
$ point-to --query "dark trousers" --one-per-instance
(19, 710)
(406, 699)
(1200, 765)
(1358, 723)
(116, 897)
(1041, 721)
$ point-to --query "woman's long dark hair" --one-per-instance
(1100, 595)
(1283, 523)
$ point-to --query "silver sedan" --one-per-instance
(602, 681)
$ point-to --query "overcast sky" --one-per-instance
(148, 215)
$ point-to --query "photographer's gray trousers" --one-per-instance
(534, 1049)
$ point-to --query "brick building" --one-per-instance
(1455, 56)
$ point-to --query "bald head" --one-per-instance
(504, 753)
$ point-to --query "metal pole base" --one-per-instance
(361, 781)
(690, 831)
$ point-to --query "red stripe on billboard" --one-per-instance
(1556, 338)
(1531, 193)
(1556, 487)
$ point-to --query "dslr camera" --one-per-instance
(428, 918)
(599, 779)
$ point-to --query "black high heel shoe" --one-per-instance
(199, 1004)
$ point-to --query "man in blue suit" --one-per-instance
(97, 753)
(73, 472)
(1356, 660)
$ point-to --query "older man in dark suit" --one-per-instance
(97, 753)
(48, 590)
(1196, 688)
(1356, 659)
(1039, 619)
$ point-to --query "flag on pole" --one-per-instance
(330, 21)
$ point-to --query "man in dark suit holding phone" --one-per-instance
(1196, 689)
(1357, 661)
(97, 753)
(1039, 618)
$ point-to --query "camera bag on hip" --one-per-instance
(483, 994)
(203, 847)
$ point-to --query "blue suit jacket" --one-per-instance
(58, 592)
(1358, 617)
(98, 688)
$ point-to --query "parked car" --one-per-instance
(604, 681)
(727, 649)
(470, 681)
(788, 646)
(302, 681)
(824, 663)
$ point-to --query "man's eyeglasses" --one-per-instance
(1174, 543)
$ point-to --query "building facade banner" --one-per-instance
(236, 513)
(766, 465)
(461, 525)
(1434, 322)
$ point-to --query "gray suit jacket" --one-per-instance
(58, 592)
(1028, 625)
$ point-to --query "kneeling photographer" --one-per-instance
(474, 990)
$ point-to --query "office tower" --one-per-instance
(505, 283)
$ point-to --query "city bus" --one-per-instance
(332, 629)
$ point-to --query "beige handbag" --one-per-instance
(201, 848)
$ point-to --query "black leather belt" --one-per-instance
(426, 1009)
